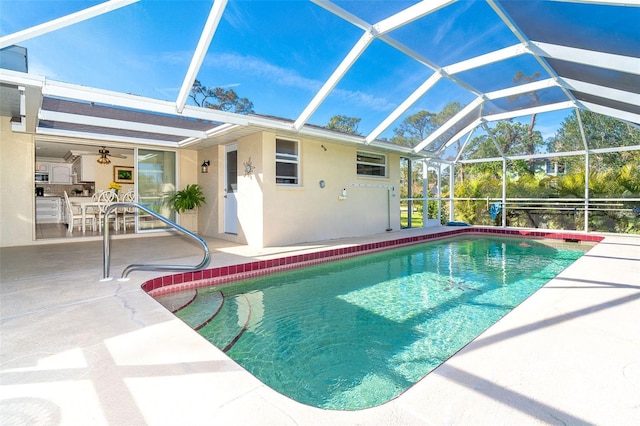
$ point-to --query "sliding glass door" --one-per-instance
(156, 182)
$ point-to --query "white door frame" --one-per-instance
(230, 201)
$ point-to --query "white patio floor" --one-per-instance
(76, 351)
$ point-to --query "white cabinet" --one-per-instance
(60, 173)
(42, 173)
(48, 210)
(42, 167)
(85, 168)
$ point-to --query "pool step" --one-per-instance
(229, 325)
(177, 300)
(202, 309)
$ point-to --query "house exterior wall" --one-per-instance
(208, 214)
(271, 214)
(188, 170)
(268, 214)
(251, 197)
(17, 201)
(307, 212)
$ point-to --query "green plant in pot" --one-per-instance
(187, 199)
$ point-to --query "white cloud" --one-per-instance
(365, 99)
(264, 70)
(277, 75)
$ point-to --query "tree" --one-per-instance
(531, 99)
(225, 100)
(414, 129)
(417, 127)
(512, 138)
(447, 113)
(600, 131)
(342, 123)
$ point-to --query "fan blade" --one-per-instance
(105, 152)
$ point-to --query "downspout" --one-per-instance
(389, 208)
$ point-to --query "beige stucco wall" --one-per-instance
(294, 214)
(104, 173)
(188, 171)
(250, 194)
(17, 202)
(271, 215)
(208, 213)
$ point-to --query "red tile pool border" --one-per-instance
(224, 274)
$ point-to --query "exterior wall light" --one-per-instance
(205, 167)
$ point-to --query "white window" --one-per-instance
(287, 162)
(371, 164)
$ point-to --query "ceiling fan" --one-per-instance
(104, 156)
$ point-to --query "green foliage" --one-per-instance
(629, 180)
(612, 174)
(415, 128)
(600, 131)
(344, 124)
(187, 199)
(415, 179)
(226, 100)
(512, 138)
(625, 182)
(416, 217)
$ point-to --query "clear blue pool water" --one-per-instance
(356, 333)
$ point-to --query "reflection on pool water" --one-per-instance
(356, 333)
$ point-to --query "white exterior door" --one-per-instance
(230, 189)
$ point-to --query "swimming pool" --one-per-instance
(358, 332)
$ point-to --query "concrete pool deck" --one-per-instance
(77, 351)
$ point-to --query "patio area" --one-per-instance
(75, 350)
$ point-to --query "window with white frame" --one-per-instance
(287, 162)
(371, 164)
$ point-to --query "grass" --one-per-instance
(416, 220)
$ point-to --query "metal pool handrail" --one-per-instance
(106, 249)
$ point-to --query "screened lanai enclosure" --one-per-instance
(505, 113)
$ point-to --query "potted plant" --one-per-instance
(187, 199)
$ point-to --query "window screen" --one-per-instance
(371, 164)
(287, 161)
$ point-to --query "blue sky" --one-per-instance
(276, 53)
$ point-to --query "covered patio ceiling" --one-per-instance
(303, 62)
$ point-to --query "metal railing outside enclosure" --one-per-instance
(576, 214)
(594, 215)
(106, 248)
